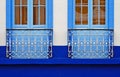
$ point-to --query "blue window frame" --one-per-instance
(90, 24)
(29, 6)
(27, 39)
(109, 14)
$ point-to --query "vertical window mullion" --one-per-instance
(38, 12)
(98, 12)
(21, 12)
(81, 12)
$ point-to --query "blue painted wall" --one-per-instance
(60, 71)
(60, 56)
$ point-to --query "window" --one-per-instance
(81, 14)
(31, 14)
(39, 12)
(99, 12)
(21, 11)
(90, 13)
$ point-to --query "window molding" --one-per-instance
(10, 19)
(110, 17)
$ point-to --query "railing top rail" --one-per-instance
(91, 29)
(31, 29)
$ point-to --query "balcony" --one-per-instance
(90, 44)
(29, 44)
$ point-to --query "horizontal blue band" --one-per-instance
(60, 56)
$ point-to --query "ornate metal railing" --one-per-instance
(29, 44)
(90, 43)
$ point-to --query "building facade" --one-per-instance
(74, 31)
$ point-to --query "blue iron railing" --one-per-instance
(90, 43)
(29, 44)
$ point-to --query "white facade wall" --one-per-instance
(60, 22)
(2, 22)
(117, 23)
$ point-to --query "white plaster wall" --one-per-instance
(2, 22)
(60, 22)
(117, 23)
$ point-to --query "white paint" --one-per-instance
(2, 22)
(117, 23)
(60, 22)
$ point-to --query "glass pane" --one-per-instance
(24, 2)
(78, 2)
(42, 2)
(78, 16)
(17, 2)
(42, 15)
(102, 15)
(17, 15)
(95, 2)
(35, 15)
(24, 15)
(84, 15)
(35, 2)
(102, 2)
(95, 15)
(84, 2)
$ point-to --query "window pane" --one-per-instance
(17, 2)
(102, 2)
(78, 2)
(95, 2)
(35, 2)
(35, 15)
(84, 15)
(78, 16)
(17, 15)
(24, 2)
(42, 2)
(102, 15)
(42, 15)
(24, 15)
(84, 2)
(95, 15)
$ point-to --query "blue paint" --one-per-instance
(20, 45)
(60, 57)
(60, 70)
(111, 14)
(90, 46)
(117, 52)
(8, 14)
